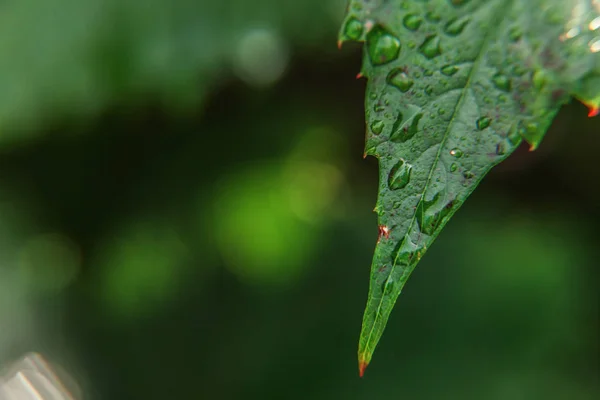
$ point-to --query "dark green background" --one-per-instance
(174, 227)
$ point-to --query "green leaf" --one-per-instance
(454, 86)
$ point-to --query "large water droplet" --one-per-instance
(483, 123)
(399, 176)
(404, 254)
(428, 219)
(455, 26)
(431, 47)
(502, 82)
(403, 132)
(398, 78)
(377, 127)
(456, 153)
(432, 16)
(353, 29)
(382, 45)
(449, 70)
(453, 167)
(412, 22)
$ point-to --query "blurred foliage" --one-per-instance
(73, 58)
(216, 251)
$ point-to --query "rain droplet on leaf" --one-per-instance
(353, 29)
(502, 82)
(432, 16)
(456, 153)
(483, 123)
(382, 45)
(456, 26)
(431, 47)
(412, 22)
(399, 176)
(449, 70)
(398, 78)
(401, 133)
(377, 127)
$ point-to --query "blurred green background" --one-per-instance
(185, 214)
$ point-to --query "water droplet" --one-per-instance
(399, 176)
(402, 133)
(398, 78)
(501, 149)
(502, 82)
(456, 153)
(353, 29)
(432, 16)
(449, 70)
(468, 175)
(455, 26)
(412, 22)
(373, 96)
(428, 90)
(483, 123)
(514, 137)
(453, 167)
(441, 111)
(397, 205)
(427, 72)
(431, 47)
(382, 46)
(377, 127)
(430, 220)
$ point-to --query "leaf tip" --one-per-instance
(362, 366)
(594, 111)
(359, 75)
(339, 44)
(533, 147)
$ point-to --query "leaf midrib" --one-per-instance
(491, 33)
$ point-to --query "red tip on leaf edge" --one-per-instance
(362, 365)
(594, 111)
(359, 75)
(339, 44)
